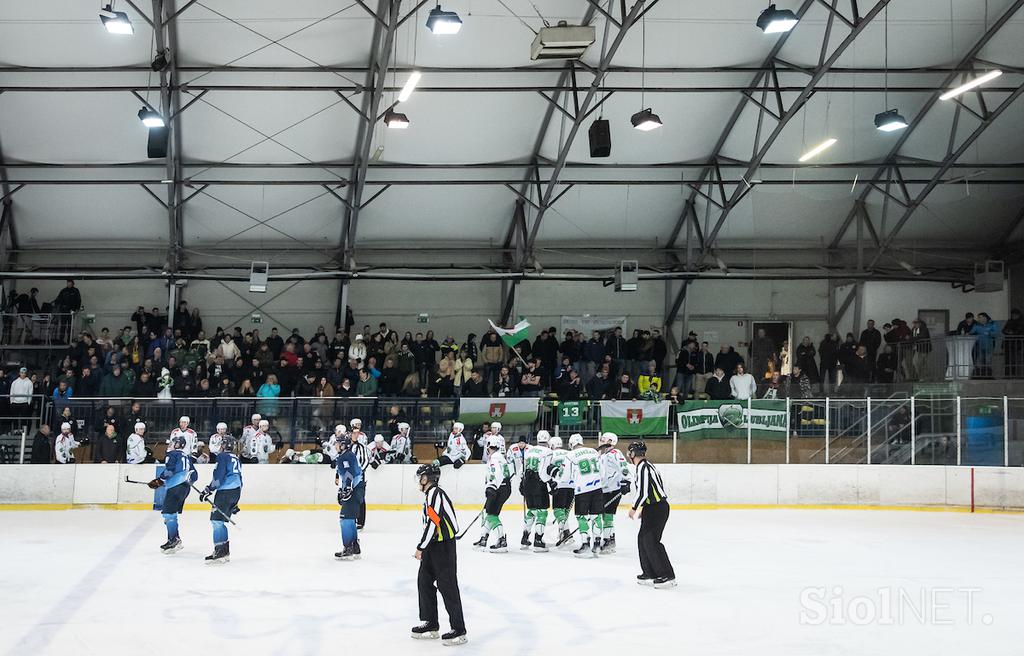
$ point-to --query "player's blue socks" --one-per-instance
(220, 531)
(171, 522)
(349, 532)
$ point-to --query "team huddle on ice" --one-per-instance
(549, 477)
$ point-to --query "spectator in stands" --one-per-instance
(727, 360)
(367, 385)
(424, 356)
(492, 354)
(571, 389)
(921, 339)
(246, 389)
(592, 354)
(885, 367)
(965, 326)
(986, 331)
(506, 385)
(615, 346)
(165, 384)
(705, 368)
(633, 347)
(88, 385)
(26, 305)
(742, 385)
(116, 385)
(530, 382)
(462, 369)
(828, 354)
(184, 384)
(805, 358)
(598, 387)
(475, 387)
(69, 299)
(847, 352)
(871, 338)
(718, 387)
(659, 350)
(761, 349)
(686, 368)
(42, 448)
(268, 394)
(1013, 341)
(357, 351)
(650, 383)
(107, 448)
(21, 394)
(624, 389)
(442, 385)
(61, 395)
(858, 370)
(797, 385)
(390, 381)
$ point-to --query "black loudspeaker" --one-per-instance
(156, 147)
(600, 138)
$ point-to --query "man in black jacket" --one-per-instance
(726, 360)
(41, 447)
(718, 386)
(424, 355)
(475, 387)
(659, 351)
(597, 388)
(615, 346)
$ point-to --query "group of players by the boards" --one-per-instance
(592, 481)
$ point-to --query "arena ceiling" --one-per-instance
(276, 151)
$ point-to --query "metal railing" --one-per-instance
(37, 329)
(960, 357)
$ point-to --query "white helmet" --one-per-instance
(575, 440)
(184, 419)
(495, 426)
(457, 427)
(378, 438)
(290, 453)
(610, 439)
(222, 427)
(543, 437)
(65, 426)
(340, 430)
(494, 442)
(356, 423)
(403, 427)
(555, 442)
(199, 445)
(255, 419)
(264, 424)
(139, 426)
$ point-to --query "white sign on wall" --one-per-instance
(588, 323)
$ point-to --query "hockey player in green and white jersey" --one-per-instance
(561, 492)
(616, 481)
(498, 487)
(536, 460)
(582, 469)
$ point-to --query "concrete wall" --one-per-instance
(301, 485)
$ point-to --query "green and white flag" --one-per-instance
(510, 412)
(765, 419)
(515, 334)
(635, 417)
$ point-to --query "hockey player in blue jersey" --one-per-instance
(226, 489)
(178, 475)
(351, 492)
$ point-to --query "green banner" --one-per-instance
(475, 411)
(570, 413)
(702, 420)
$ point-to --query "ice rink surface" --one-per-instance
(751, 583)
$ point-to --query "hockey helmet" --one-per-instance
(458, 427)
(65, 427)
(227, 443)
(495, 426)
(575, 440)
(610, 439)
(403, 428)
(184, 420)
(222, 427)
(378, 438)
(140, 427)
(430, 471)
(255, 419)
(264, 425)
(494, 442)
(637, 450)
(356, 423)
(178, 442)
(543, 437)
(555, 442)
(340, 430)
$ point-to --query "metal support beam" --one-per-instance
(170, 104)
(894, 157)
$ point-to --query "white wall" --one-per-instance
(394, 485)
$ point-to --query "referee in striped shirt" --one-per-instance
(652, 506)
(437, 555)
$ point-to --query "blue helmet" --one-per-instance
(178, 442)
(227, 443)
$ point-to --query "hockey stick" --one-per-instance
(576, 530)
(214, 507)
(128, 480)
(466, 530)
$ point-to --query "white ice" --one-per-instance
(93, 582)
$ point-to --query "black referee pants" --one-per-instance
(653, 558)
(438, 566)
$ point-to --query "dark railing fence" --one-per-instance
(959, 358)
(37, 329)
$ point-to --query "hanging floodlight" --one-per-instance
(161, 61)
(817, 150)
(150, 118)
(116, 22)
(967, 86)
(890, 121)
(410, 86)
(774, 21)
(443, 22)
(645, 120)
(396, 120)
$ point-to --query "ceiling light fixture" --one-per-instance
(443, 22)
(161, 61)
(646, 120)
(396, 120)
(967, 86)
(150, 118)
(817, 150)
(890, 121)
(116, 22)
(410, 86)
(774, 21)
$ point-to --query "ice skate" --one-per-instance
(425, 631)
(171, 546)
(584, 551)
(480, 544)
(643, 579)
(501, 546)
(664, 583)
(524, 544)
(538, 545)
(348, 553)
(608, 546)
(453, 638)
(221, 554)
(564, 540)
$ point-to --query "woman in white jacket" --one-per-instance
(357, 351)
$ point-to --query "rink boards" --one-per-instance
(294, 487)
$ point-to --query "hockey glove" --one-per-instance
(458, 463)
(375, 464)
(552, 486)
(156, 483)
(490, 492)
(344, 494)
(625, 488)
(205, 495)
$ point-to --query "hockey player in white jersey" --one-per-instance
(357, 434)
(190, 435)
(248, 432)
(379, 451)
(65, 444)
(561, 491)
(216, 440)
(616, 480)
(515, 456)
(496, 432)
(497, 489)
(136, 445)
(456, 452)
(263, 445)
(534, 487)
(581, 466)
(401, 445)
(331, 447)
